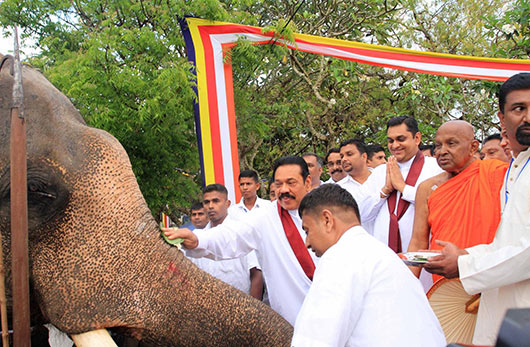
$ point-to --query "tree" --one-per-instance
(123, 65)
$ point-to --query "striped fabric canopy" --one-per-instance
(214, 111)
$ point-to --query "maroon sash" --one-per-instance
(394, 236)
(296, 242)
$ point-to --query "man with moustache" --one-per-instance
(462, 204)
(499, 270)
(199, 217)
(274, 232)
(334, 165)
(390, 191)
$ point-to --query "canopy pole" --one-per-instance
(19, 210)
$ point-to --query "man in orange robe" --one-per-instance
(462, 204)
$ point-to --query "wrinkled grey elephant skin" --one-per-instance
(96, 256)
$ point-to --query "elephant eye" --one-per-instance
(40, 189)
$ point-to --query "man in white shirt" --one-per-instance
(392, 187)
(248, 186)
(375, 156)
(275, 232)
(374, 300)
(333, 162)
(314, 163)
(243, 272)
(500, 270)
(353, 158)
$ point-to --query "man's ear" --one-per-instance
(501, 117)
(474, 147)
(307, 183)
(417, 138)
(228, 203)
(365, 157)
(328, 219)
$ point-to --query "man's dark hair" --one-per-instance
(373, 149)
(308, 154)
(496, 136)
(429, 146)
(333, 150)
(410, 122)
(328, 195)
(197, 205)
(291, 160)
(361, 147)
(516, 82)
(216, 187)
(249, 174)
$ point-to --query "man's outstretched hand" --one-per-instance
(445, 264)
(190, 239)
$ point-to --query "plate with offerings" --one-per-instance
(417, 258)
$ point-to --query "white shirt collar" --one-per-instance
(407, 164)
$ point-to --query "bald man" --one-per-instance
(462, 204)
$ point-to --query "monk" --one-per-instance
(462, 204)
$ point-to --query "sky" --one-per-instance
(7, 45)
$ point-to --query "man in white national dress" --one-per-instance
(275, 232)
(362, 293)
(500, 270)
(390, 191)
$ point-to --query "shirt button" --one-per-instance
(515, 166)
(511, 179)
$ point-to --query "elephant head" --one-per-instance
(96, 256)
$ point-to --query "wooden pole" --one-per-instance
(3, 301)
(19, 211)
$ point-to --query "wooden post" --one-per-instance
(19, 211)
(3, 301)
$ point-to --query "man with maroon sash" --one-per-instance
(390, 190)
(274, 232)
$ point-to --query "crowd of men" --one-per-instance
(327, 251)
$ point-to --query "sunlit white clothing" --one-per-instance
(330, 180)
(235, 272)
(501, 270)
(374, 208)
(239, 210)
(354, 188)
(262, 230)
(363, 295)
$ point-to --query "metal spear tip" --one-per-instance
(18, 91)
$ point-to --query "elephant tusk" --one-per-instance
(99, 338)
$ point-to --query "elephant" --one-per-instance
(96, 256)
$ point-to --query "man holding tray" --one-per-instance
(500, 270)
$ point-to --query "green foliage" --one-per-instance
(123, 64)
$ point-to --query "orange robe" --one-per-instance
(466, 209)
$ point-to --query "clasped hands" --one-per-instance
(394, 178)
